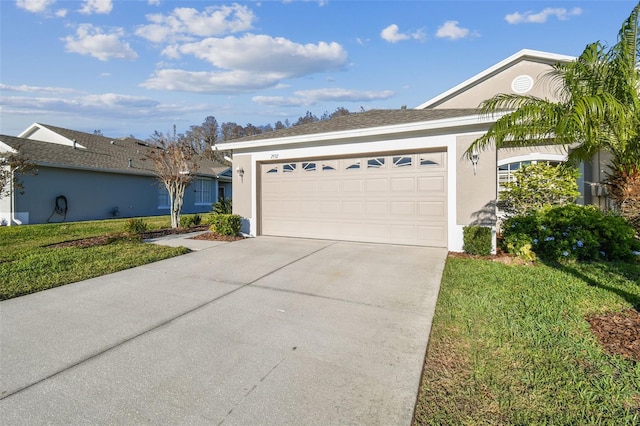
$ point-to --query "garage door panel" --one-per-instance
(403, 208)
(352, 185)
(376, 185)
(390, 198)
(328, 186)
(431, 184)
(403, 184)
(376, 209)
(432, 209)
(353, 208)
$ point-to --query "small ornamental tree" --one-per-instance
(539, 185)
(11, 166)
(175, 163)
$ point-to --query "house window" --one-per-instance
(354, 165)
(289, 168)
(329, 165)
(163, 197)
(221, 193)
(427, 160)
(402, 161)
(375, 163)
(309, 167)
(203, 191)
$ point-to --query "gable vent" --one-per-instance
(522, 84)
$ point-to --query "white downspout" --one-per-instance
(12, 200)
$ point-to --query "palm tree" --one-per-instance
(597, 109)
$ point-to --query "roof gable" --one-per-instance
(543, 60)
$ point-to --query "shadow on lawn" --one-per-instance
(628, 271)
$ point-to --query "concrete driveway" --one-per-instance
(260, 331)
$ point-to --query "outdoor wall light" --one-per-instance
(474, 160)
(240, 172)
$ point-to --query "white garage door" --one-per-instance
(398, 198)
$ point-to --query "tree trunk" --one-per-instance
(625, 189)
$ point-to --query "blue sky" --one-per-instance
(132, 67)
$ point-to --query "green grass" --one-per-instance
(28, 265)
(510, 345)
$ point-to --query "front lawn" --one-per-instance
(29, 263)
(511, 344)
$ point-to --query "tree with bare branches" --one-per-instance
(175, 163)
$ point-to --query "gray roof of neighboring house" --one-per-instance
(100, 153)
(363, 120)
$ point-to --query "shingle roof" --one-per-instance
(364, 120)
(100, 153)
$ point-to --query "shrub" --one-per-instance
(223, 206)
(135, 226)
(539, 185)
(226, 224)
(477, 240)
(191, 220)
(570, 232)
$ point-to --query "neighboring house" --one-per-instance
(391, 176)
(82, 176)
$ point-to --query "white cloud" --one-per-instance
(183, 23)
(96, 6)
(263, 54)
(210, 82)
(154, 2)
(312, 97)
(392, 34)
(93, 41)
(530, 17)
(35, 6)
(36, 89)
(96, 105)
(452, 31)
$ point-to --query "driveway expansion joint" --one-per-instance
(8, 393)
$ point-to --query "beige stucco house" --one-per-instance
(390, 176)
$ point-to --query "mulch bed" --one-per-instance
(212, 236)
(618, 332)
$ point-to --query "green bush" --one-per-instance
(226, 224)
(539, 185)
(477, 240)
(191, 220)
(223, 206)
(135, 226)
(570, 232)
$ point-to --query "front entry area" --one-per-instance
(398, 198)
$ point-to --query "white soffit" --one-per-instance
(517, 57)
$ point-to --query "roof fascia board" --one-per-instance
(472, 120)
(519, 56)
(133, 171)
(93, 169)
